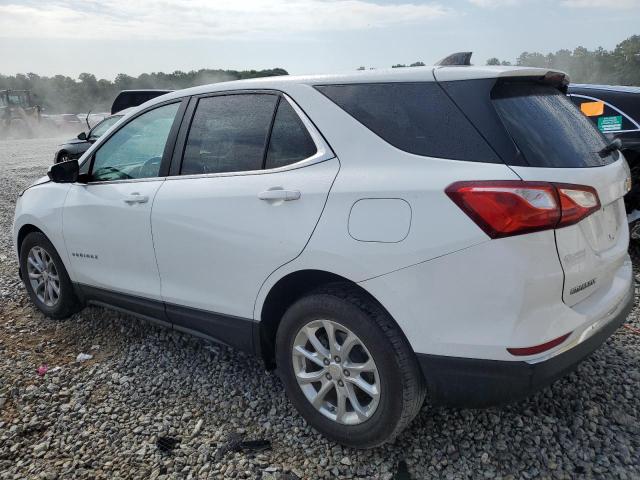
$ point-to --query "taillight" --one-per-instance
(577, 202)
(503, 208)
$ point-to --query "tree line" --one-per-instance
(63, 94)
(620, 66)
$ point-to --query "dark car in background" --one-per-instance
(74, 148)
(133, 98)
(615, 110)
(123, 102)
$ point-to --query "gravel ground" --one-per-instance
(102, 418)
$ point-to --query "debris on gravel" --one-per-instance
(155, 403)
(83, 357)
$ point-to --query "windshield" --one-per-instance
(103, 126)
(547, 128)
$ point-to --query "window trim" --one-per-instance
(323, 150)
(168, 148)
(265, 152)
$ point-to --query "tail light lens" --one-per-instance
(576, 202)
(503, 208)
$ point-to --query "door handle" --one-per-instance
(279, 194)
(135, 197)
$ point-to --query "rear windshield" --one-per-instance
(547, 128)
(418, 118)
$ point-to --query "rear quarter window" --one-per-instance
(290, 142)
(418, 118)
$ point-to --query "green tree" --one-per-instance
(627, 60)
(533, 59)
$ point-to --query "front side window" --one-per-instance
(228, 134)
(290, 141)
(135, 151)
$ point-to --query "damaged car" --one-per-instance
(455, 233)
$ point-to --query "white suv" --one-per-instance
(376, 237)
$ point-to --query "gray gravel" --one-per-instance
(101, 418)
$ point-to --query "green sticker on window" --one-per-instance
(610, 124)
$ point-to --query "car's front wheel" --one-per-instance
(47, 281)
(347, 368)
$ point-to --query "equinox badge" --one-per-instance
(582, 286)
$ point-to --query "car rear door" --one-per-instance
(252, 179)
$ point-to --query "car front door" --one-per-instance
(107, 220)
(254, 179)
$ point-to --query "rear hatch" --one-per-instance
(542, 136)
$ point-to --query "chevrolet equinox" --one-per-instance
(377, 237)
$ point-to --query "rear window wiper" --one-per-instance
(616, 144)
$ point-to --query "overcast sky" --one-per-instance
(106, 37)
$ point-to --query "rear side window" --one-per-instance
(290, 142)
(228, 134)
(547, 128)
(418, 118)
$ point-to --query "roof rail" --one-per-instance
(458, 58)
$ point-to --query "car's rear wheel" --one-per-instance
(347, 368)
(45, 277)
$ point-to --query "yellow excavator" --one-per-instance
(19, 113)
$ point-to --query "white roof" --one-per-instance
(407, 74)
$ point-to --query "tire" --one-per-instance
(634, 231)
(62, 157)
(398, 377)
(66, 302)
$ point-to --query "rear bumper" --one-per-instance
(470, 382)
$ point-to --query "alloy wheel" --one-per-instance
(43, 276)
(336, 372)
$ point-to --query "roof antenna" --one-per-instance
(458, 58)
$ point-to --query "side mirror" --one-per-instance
(82, 136)
(64, 172)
